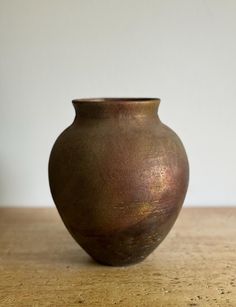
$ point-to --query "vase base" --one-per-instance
(119, 263)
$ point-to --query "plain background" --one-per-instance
(182, 51)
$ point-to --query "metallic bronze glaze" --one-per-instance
(118, 177)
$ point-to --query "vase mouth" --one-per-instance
(115, 100)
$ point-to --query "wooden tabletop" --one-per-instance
(41, 265)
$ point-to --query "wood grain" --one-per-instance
(41, 265)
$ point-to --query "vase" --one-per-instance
(118, 177)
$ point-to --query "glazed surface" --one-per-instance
(118, 178)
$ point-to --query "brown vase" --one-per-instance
(118, 177)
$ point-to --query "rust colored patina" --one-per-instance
(118, 177)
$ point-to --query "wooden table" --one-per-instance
(41, 265)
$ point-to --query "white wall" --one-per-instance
(183, 51)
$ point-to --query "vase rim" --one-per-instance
(119, 100)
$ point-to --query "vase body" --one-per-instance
(118, 177)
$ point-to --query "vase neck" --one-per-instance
(116, 107)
